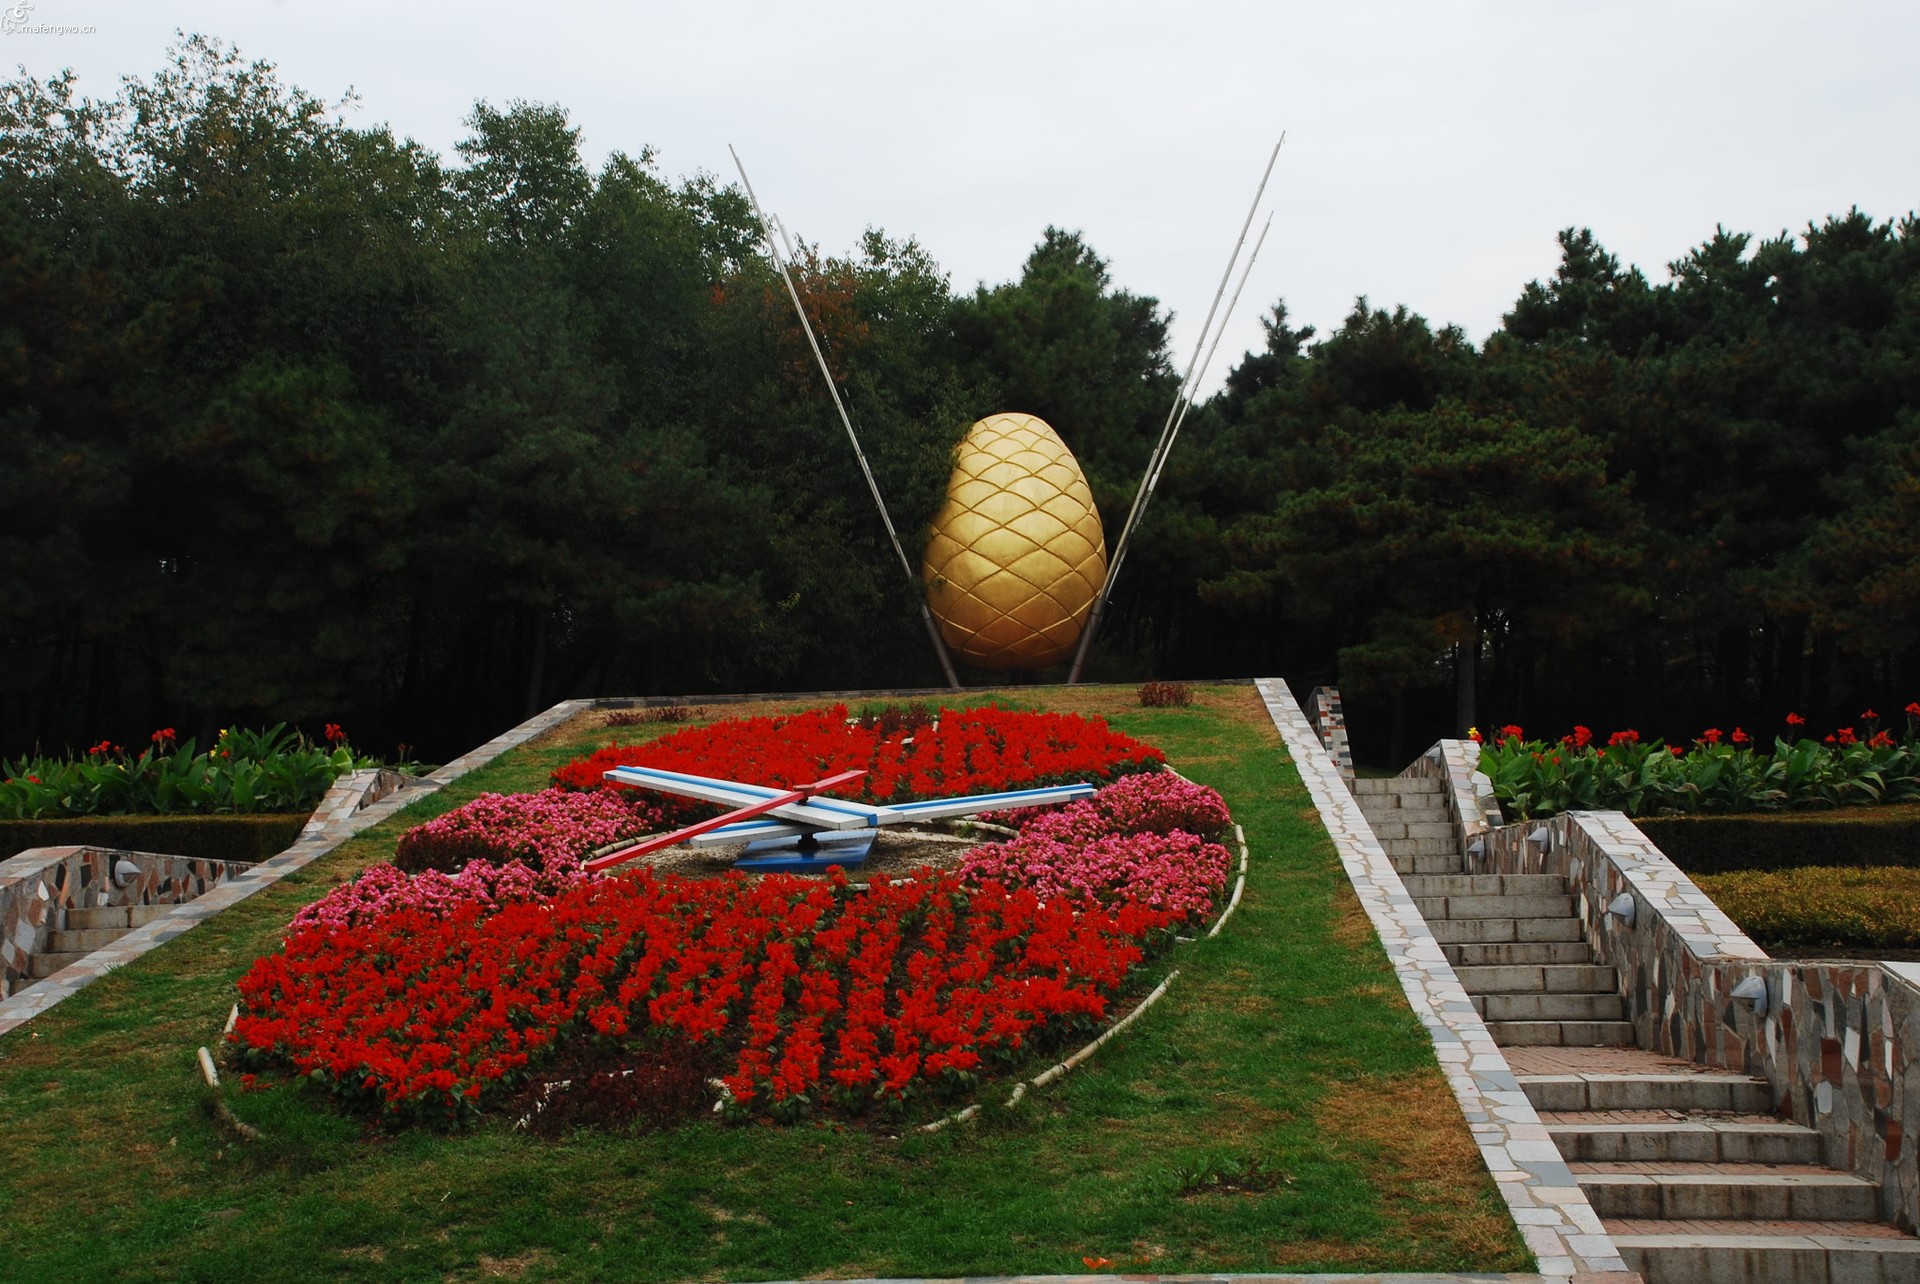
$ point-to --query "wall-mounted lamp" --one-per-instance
(1622, 908)
(1540, 838)
(1477, 848)
(124, 872)
(1753, 992)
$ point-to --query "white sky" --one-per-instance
(1434, 147)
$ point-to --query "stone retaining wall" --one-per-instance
(38, 887)
(1470, 802)
(1329, 718)
(1838, 1041)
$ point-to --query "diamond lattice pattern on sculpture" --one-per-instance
(1017, 552)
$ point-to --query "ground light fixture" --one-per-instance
(1622, 908)
(1753, 993)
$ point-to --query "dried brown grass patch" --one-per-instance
(1352, 929)
(1407, 1134)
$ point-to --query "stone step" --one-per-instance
(1507, 1008)
(1689, 1093)
(1664, 1135)
(82, 940)
(1562, 1034)
(1492, 931)
(1398, 785)
(1426, 811)
(1519, 954)
(1461, 907)
(1422, 847)
(1393, 829)
(1759, 1192)
(47, 962)
(1486, 885)
(1439, 863)
(1561, 978)
(1708, 1252)
(107, 916)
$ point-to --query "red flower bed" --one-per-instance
(971, 751)
(433, 996)
(818, 992)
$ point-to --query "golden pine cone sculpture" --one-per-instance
(1017, 554)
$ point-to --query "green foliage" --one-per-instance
(1649, 778)
(462, 435)
(1858, 836)
(276, 770)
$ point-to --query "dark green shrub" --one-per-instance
(1853, 837)
(1854, 907)
(249, 838)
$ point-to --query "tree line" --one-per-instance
(303, 421)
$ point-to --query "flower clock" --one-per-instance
(498, 951)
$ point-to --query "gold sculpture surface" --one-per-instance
(1017, 554)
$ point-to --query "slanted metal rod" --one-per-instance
(833, 390)
(1157, 460)
(1153, 478)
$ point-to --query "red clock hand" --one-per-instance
(799, 793)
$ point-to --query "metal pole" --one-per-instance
(1157, 460)
(1154, 471)
(833, 390)
(1226, 316)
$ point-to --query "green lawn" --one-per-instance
(1279, 1109)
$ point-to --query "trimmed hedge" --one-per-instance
(249, 838)
(1853, 838)
(1817, 906)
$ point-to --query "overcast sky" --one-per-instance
(1434, 148)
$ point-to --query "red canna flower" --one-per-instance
(1676, 751)
(1913, 710)
(1512, 732)
(105, 746)
(334, 734)
(1627, 737)
(1740, 737)
(1795, 720)
(164, 736)
(1880, 740)
(1711, 736)
(1846, 736)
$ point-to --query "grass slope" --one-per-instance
(1280, 1110)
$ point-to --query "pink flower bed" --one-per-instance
(1142, 841)
(552, 829)
(497, 849)
(383, 889)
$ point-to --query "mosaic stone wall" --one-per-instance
(1471, 805)
(1329, 719)
(1838, 1041)
(37, 888)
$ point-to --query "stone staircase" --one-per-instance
(1692, 1172)
(88, 930)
